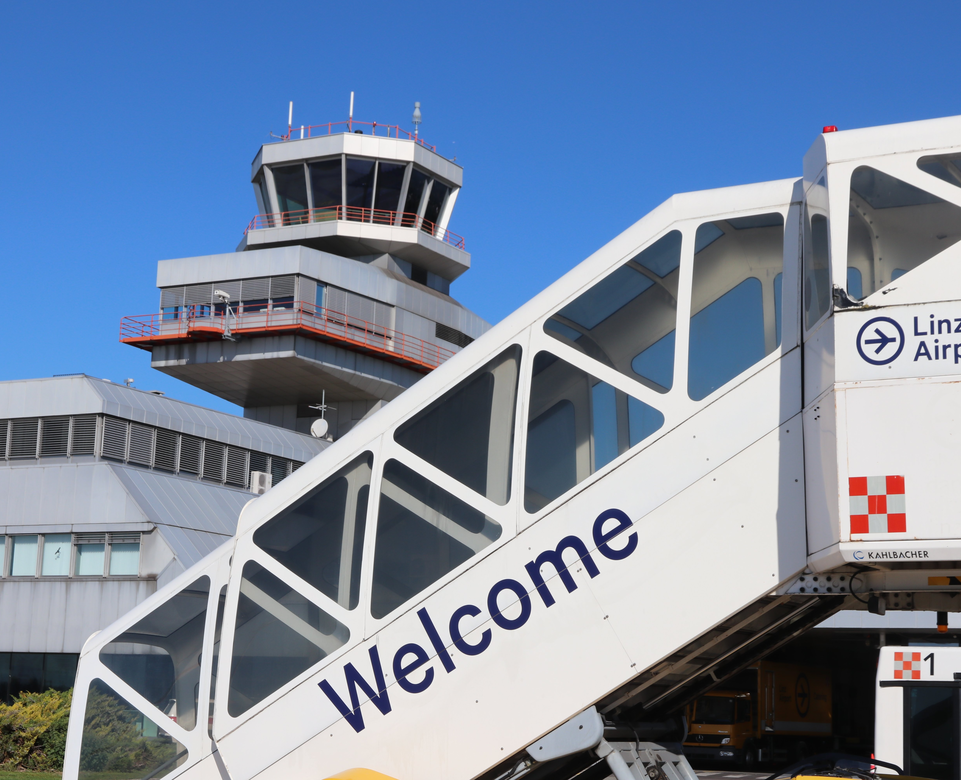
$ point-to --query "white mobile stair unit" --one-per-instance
(736, 418)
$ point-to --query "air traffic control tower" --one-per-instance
(338, 290)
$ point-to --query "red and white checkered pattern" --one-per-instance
(907, 666)
(877, 505)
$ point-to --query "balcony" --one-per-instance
(202, 322)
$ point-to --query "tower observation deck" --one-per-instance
(339, 287)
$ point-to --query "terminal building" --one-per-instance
(335, 301)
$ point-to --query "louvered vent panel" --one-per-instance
(258, 462)
(359, 308)
(171, 296)
(231, 288)
(83, 435)
(294, 465)
(114, 438)
(54, 436)
(4, 427)
(165, 450)
(278, 469)
(89, 538)
(125, 538)
(236, 466)
(23, 437)
(213, 461)
(451, 335)
(198, 293)
(308, 292)
(255, 289)
(336, 300)
(281, 287)
(141, 444)
(190, 449)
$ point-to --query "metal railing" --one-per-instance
(353, 126)
(205, 321)
(354, 214)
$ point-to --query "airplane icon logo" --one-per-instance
(880, 341)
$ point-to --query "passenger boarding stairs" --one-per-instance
(698, 444)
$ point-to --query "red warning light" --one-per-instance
(830, 129)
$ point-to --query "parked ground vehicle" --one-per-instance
(777, 712)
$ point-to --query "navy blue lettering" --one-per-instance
(922, 351)
(525, 601)
(435, 640)
(602, 538)
(556, 559)
(946, 324)
(352, 714)
(916, 331)
(401, 670)
(459, 642)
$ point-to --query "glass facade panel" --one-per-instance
(817, 273)
(469, 432)
(415, 192)
(326, 187)
(159, 657)
(893, 225)
(933, 742)
(56, 555)
(390, 180)
(435, 206)
(359, 186)
(627, 320)
(320, 537)
(122, 743)
(124, 558)
(90, 560)
(578, 425)
(23, 559)
(733, 311)
(291, 185)
(3, 555)
(279, 634)
(423, 532)
(946, 167)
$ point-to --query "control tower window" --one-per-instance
(326, 187)
(415, 193)
(468, 433)
(279, 633)
(894, 226)
(359, 178)
(320, 537)
(435, 206)
(626, 321)
(737, 265)
(578, 424)
(390, 181)
(423, 533)
(291, 186)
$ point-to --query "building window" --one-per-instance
(56, 555)
(91, 555)
(23, 561)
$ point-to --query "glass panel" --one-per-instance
(816, 271)
(124, 558)
(390, 179)
(733, 312)
(627, 320)
(279, 634)
(320, 537)
(360, 186)
(159, 657)
(59, 671)
(933, 729)
(23, 561)
(90, 559)
(215, 661)
(415, 191)
(119, 742)
(56, 555)
(423, 532)
(291, 186)
(326, 183)
(893, 225)
(26, 673)
(264, 197)
(3, 555)
(469, 432)
(947, 168)
(578, 425)
(435, 203)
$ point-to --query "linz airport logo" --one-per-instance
(881, 340)
(410, 662)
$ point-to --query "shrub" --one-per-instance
(33, 731)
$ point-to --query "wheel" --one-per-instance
(749, 759)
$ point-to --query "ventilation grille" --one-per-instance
(4, 427)
(198, 293)
(190, 450)
(282, 287)
(172, 296)
(114, 438)
(258, 461)
(236, 467)
(23, 437)
(231, 288)
(451, 335)
(336, 300)
(213, 461)
(83, 436)
(141, 445)
(256, 289)
(165, 450)
(54, 436)
(278, 470)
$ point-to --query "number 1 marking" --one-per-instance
(930, 657)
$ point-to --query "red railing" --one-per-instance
(205, 321)
(354, 214)
(353, 126)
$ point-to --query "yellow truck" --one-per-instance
(773, 712)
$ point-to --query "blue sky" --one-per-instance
(128, 129)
